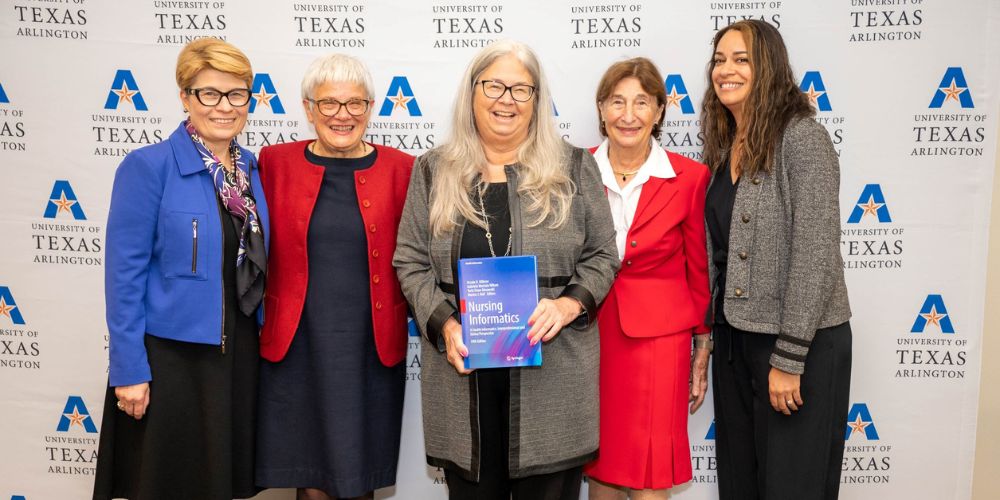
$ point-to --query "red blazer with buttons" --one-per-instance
(662, 287)
(291, 186)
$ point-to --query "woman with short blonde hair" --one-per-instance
(184, 283)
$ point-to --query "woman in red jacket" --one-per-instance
(658, 298)
(334, 335)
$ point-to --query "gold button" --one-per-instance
(378, 305)
(366, 203)
(738, 292)
(634, 243)
(745, 218)
(375, 253)
(756, 180)
(371, 227)
(362, 179)
(742, 255)
(375, 279)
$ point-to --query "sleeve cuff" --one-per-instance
(436, 323)
(790, 354)
(586, 299)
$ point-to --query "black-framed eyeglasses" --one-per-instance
(209, 96)
(330, 107)
(520, 92)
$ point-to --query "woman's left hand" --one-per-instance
(550, 317)
(783, 388)
(699, 378)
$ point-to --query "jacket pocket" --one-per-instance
(184, 246)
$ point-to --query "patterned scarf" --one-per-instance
(233, 189)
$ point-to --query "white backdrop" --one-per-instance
(907, 89)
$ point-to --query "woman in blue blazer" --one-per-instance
(184, 279)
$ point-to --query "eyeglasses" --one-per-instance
(494, 90)
(330, 107)
(212, 97)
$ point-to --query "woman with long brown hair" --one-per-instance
(782, 371)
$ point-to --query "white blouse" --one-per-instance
(624, 201)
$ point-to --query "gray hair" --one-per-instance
(336, 68)
(543, 176)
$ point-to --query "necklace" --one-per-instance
(626, 175)
(489, 235)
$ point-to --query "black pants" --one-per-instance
(494, 482)
(764, 454)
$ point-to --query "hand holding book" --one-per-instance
(550, 316)
(455, 349)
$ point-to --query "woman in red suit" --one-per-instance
(334, 334)
(658, 298)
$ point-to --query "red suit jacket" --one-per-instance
(662, 287)
(291, 186)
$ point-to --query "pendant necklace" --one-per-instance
(489, 235)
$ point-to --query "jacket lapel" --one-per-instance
(655, 196)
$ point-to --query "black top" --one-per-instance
(719, 216)
(337, 249)
(474, 244)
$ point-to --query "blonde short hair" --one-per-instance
(211, 53)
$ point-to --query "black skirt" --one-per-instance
(196, 440)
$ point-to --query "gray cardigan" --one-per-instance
(553, 408)
(785, 274)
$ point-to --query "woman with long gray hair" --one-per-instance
(504, 183)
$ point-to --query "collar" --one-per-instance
(656, 165)
(187, 157)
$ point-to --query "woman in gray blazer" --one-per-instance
(505, 184)
(782, 365)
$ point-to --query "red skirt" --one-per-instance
(644, 407)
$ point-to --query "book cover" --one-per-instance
(496, 297)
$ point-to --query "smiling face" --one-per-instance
(732, 73)
(217, 125)
(338, 136)
(503, 121)
(629, 114)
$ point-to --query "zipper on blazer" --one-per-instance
(194, 246)
(222, 265)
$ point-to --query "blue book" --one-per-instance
(496, 297)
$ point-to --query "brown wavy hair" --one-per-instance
(641, 69)
(773, 102)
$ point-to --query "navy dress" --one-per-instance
(330, 411)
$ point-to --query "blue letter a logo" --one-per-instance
(859, 421)
(400, 95)
(76, 413)
(871, 202)
(953, 87)
(935, 313)
(8, 308)
(124, 89)
(264, 93)
(677, 94)
(63, 199)
(3, 96)
(814, 88)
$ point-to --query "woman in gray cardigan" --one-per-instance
(782, 367)
(505, 184)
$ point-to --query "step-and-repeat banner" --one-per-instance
(906, 88)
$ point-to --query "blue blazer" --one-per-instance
(163, 269)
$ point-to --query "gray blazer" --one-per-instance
(785, 274)
(554, 408)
